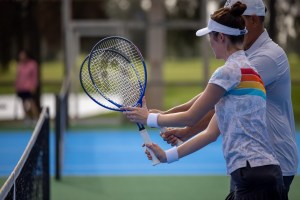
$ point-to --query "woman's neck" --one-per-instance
(231, 50)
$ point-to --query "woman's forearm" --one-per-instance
(209, 135)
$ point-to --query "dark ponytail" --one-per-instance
(238, 9)
(231, 17)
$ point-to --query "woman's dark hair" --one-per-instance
(231, 17)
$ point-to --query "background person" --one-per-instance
(26, 84)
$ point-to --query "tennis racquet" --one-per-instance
(109, 74)
(131, 52)
(90, 89)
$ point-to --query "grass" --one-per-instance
(296, 104)
(175, 70)
(179, 70)
(138, 187)
(294, 61)
(187, 69)
(148, 187)
(51, 77)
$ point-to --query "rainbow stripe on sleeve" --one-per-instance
(251, 84)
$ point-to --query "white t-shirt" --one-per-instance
(272, 64)
(241, 114)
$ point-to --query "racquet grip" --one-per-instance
(147, 140)
(164, 129)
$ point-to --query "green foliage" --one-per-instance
(296, 104)
(294, 61)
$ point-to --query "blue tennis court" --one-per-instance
(113, 152)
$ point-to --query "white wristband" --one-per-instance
(152, 120)
(172, 155)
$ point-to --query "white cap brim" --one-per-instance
(203, 31)
(217, 27)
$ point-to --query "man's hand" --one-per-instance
(172, 135)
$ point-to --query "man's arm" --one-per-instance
(209, 135)
(171, 136)
(180, 108)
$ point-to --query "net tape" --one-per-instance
(30, 177)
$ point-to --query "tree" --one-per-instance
(9, 24)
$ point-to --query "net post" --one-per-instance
(58, 138)
(66, 106)
(46, 157)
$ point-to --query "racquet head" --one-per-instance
(118, 72)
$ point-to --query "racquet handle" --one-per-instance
(164, 129)
(147, 140)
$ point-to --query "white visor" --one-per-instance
(215, 26)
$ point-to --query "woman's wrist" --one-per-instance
(152, 120)
(172, 155)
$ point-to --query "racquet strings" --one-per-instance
(126, 48)
(116, 78)
(90, 89)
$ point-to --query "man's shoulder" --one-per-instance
(270, 47)
(268, 50)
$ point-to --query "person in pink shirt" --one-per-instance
(26, 83)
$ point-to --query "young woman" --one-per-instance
(238, 95)
(26, 84)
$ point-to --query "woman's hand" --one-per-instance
(137, 114)
(159, 153)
